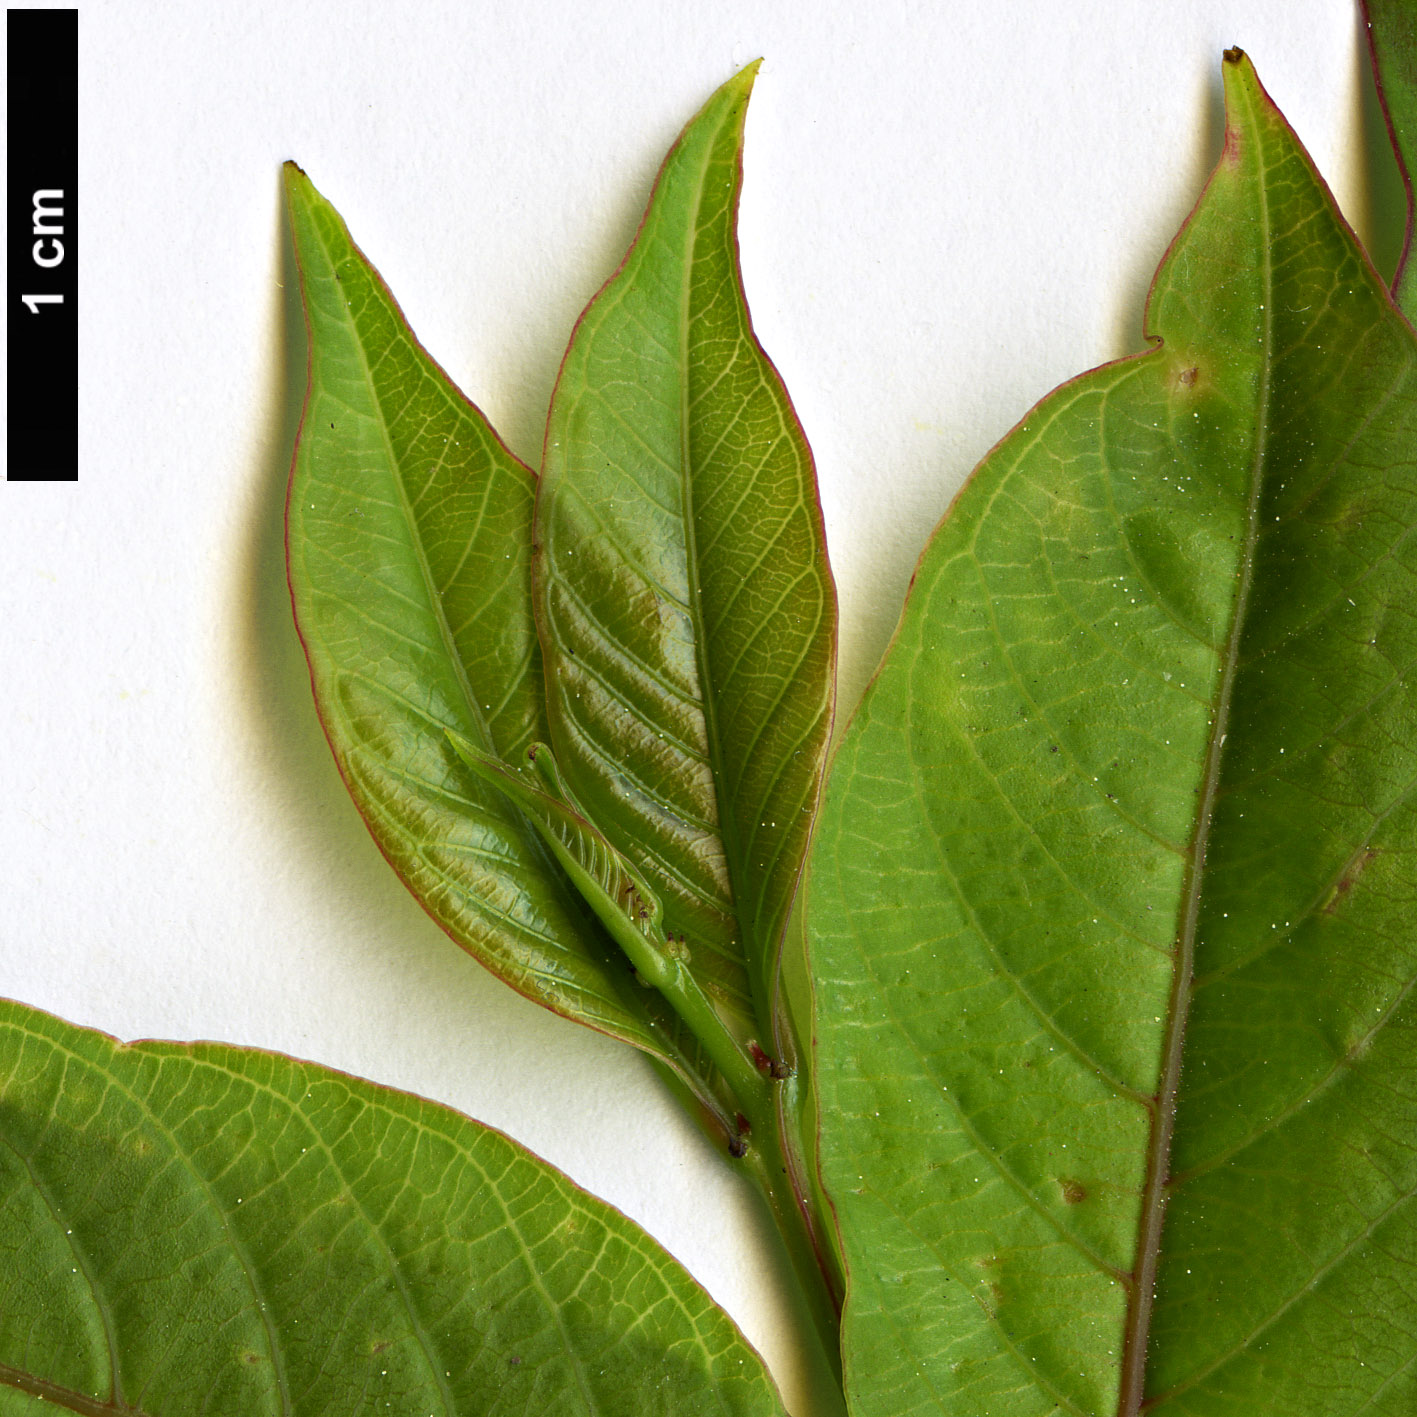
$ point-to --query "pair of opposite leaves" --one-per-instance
(1136, 772)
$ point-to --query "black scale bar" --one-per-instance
(42, 315)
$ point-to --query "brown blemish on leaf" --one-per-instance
(1345, 883)
(1187, 377)
(1074, 1192)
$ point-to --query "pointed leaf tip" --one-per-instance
(682, 590)
(1240, 77)
(295, 179)
(1133, 785)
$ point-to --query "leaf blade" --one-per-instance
(409, 543)
(265, 1235)
(1392, 41)
(682, 590)
(1158, 560)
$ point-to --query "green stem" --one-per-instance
(775, 1167)
(773, 1156)
(751, 1089)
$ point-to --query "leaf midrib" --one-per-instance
(1131, 1396)
(84, 1264)
(726, 825)
(64, 1397)
(415, 539)
(205, 1187)
(513, 818)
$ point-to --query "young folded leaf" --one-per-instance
(409, 543)
(197, 1228)
(632, 914)
(1392, 36)
(1111, 908)
(682, 591)
(620, 897)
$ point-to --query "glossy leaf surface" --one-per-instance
(409, 543)
(686, 608)
(1392, 35)
(1112, 907)
(194, 1228)
(621, 898)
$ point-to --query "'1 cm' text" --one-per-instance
(48, 228)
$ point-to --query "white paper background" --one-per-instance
(948, 209)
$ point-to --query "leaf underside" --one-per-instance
(409, 548)
(194, 1228)
(1120, 841)
(1392, 35)
(682, 590)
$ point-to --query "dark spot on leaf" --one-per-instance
(382, 1344)
(1074, 1192)
(514, 1361)
(1188, 377)
(251, 1358)
(1345, 883)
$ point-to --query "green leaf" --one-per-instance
(409, 544)
(196, 1228)
(620, 897)
(1392, 37)
(1112, 904)
(682, 589)
(625, 903)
